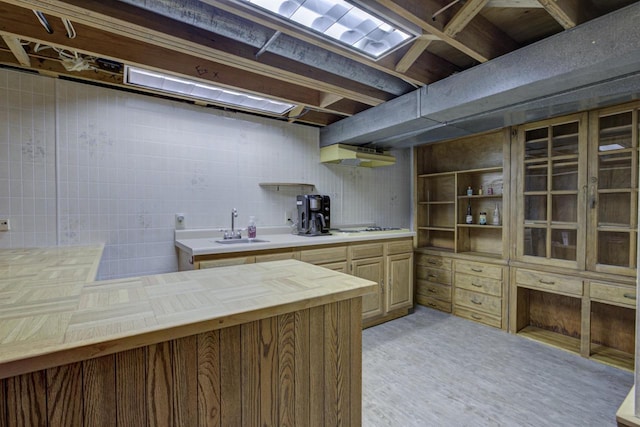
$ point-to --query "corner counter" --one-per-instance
(275, 343)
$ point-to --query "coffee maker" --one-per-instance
(313, 214)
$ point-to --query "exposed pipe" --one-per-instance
(43, 21)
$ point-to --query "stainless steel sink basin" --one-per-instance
(232, 241)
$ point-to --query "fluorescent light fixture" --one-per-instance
(340, 21)
(192, 89)
(611, 147)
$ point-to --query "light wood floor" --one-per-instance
(434, 369)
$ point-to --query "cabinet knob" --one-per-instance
(475, 316)
(477, 270)
(476, 285)
(475, 301)
(629, 296)
(547, 282)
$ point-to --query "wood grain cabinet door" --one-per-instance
(400, 289)
(371, 269)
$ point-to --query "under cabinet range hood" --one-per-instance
(356, 156)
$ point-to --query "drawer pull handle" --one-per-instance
(432, 262)
(433, 275)
(477, 270)
(545, 282)
(476, 285)
(433, 291)
(475, 316)
(430, 304)
(629, 296)
(475, 301)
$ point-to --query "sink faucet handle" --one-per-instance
(234, 212)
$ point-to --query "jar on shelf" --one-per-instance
(482, 220)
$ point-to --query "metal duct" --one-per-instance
(207, 17)
(589, 66)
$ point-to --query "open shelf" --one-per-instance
(611, 356)
(551, 338)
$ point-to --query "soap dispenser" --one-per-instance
(251, 228)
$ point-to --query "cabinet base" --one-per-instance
(367, 323)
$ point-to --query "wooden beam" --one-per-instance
(438, 66)
(123, 23)
(327, 99)
(465, 14)
(566, 12)
(481, 40)
(295, 112)
(525, 4)
(414, 52)
(17, 50)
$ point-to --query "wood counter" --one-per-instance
(275, 343)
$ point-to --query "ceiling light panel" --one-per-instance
(341, 22)
(192, 89)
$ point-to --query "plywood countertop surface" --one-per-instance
(45, 323)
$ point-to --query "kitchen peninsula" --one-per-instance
(276, 343)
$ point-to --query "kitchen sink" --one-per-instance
(231, 241)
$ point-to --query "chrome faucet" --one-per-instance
(233, 233)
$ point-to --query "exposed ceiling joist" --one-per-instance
(17, 50)
(566, 12)
(482, 41)
(295, 112)
(415, 51)
(525, 4)
(465, 14)
(181, 44)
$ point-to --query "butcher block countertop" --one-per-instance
(53, 313)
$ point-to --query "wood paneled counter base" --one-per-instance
(275, 343)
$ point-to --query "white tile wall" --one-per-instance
(127, 163)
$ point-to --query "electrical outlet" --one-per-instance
(288, 217)
(4, 224)
(181, 221)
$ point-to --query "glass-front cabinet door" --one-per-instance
(613, 191)
(551, 188)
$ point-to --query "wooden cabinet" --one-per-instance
(610, 316)
(386, 262)
(479, 291)
(390, 264)
(467, 176)
(433, 281)
(577, 213)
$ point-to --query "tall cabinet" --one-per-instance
(574, 262)
(460, 219)
(559, 265)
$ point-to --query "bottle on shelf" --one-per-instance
(482, 220)
(480, 191)
(251, 228)
(469, 191)
(496, 216)
(469, 218)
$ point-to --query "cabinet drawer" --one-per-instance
(433, 275)
(479, 284)
(324, 255)
(434, 290)
(224, 262)
(479, 269)
(336, 266)
(481, 302)
(549, 282)
(433, 261)
(400, 247)
(276, 257)
(615, 294)
(487, 319)
(371, 250)
(434, 303)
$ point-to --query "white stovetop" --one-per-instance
(203, 241)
